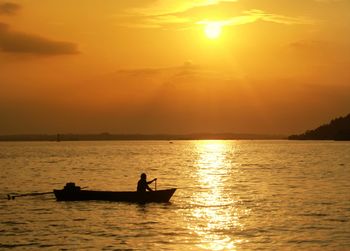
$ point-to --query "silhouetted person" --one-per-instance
(142, 185)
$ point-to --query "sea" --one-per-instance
(231, 195)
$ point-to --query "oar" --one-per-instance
(12, 197)
(155, 185)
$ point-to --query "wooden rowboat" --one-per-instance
(76, 194)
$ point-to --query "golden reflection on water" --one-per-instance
(214, 212)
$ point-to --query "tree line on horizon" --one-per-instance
(337, 129)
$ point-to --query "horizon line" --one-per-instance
(136, 136)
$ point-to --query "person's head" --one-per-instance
(143, 176)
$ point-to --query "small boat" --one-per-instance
(73, 193)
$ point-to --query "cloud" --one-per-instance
(180, 6)
(280, 19)
(188, 68)
(23, 43)
(7, 8)
(253, 16)
(186, 72)
(194, 13)
(309, 44)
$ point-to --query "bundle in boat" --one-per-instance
(71, 192)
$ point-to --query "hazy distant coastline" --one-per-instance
(108, 136)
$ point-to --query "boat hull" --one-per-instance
(136, 197)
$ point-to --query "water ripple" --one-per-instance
(233, 195)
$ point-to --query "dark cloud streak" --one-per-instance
(7, 8)
(23, 43)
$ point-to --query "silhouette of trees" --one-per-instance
(337, 129)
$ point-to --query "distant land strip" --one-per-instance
(108, 136)
(337, 129)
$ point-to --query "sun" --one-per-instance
(212, 30)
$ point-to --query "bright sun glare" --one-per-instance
(212, 30)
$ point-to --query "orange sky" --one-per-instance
(278, 66)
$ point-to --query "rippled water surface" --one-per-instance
(232, 195)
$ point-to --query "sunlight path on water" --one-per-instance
(215, 213)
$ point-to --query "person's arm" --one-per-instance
(149, 182)
(148, 188)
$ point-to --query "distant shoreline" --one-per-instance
(121, 137)
(337, 129)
